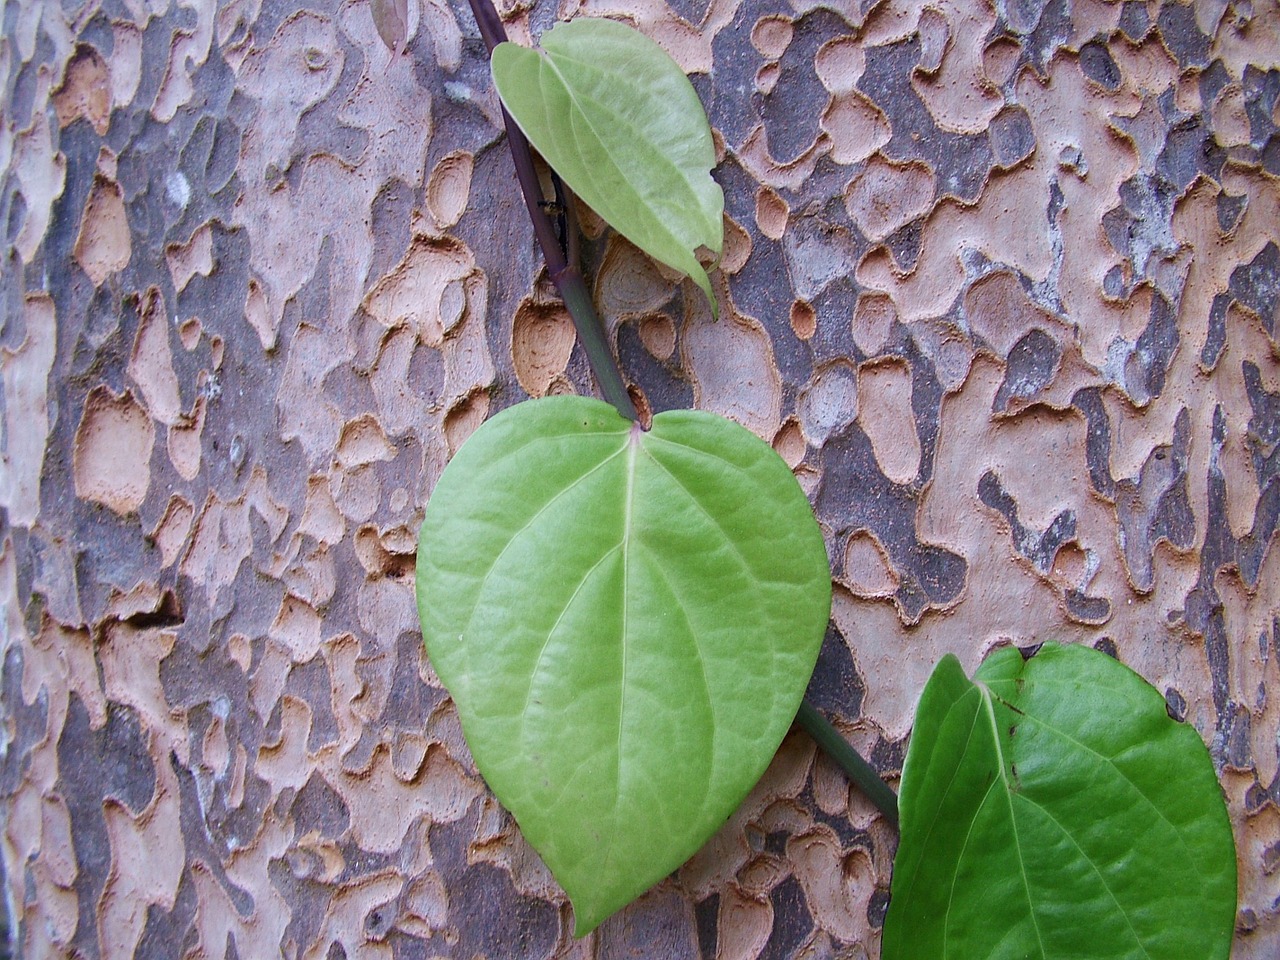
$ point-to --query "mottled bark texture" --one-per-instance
(1001, 284)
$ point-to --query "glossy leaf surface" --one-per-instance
(1053, 809)
(626, 621)
(620, 123)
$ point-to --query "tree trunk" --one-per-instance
(1001, 285)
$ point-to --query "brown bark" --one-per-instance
(1001, 286)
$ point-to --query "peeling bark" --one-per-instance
(1001, 284)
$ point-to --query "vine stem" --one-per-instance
(565, 275)
(604, 366)
(850, 761)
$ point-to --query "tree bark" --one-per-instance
(1000, 284)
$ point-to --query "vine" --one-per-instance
(627, 615)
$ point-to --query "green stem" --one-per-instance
(591, 333)
(851, 762)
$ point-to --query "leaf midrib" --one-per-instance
(988, 699)
(989, 708)
(628, 500)
(1098, 873)
(615, 117)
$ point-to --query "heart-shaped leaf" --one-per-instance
(1054, 810)
(626, 621)
(620, 123)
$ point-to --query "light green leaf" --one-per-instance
(1054, 810)
(626, 621)
(620, 123)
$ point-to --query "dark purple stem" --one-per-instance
(565, 275)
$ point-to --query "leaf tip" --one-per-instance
(582, 926)
(391, 20)
(699, 276)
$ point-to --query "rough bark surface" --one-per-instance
(1001, 283)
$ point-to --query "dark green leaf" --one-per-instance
(1054, 810)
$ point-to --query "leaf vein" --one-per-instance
(702, 668)
(964, 847)
(987, 698)
(488, 574)
(711, 518)
(1108, 762)
(537, 664)
(1089, 860)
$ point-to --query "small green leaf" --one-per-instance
(620, 123)
(626, 621)
(1054, 810)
